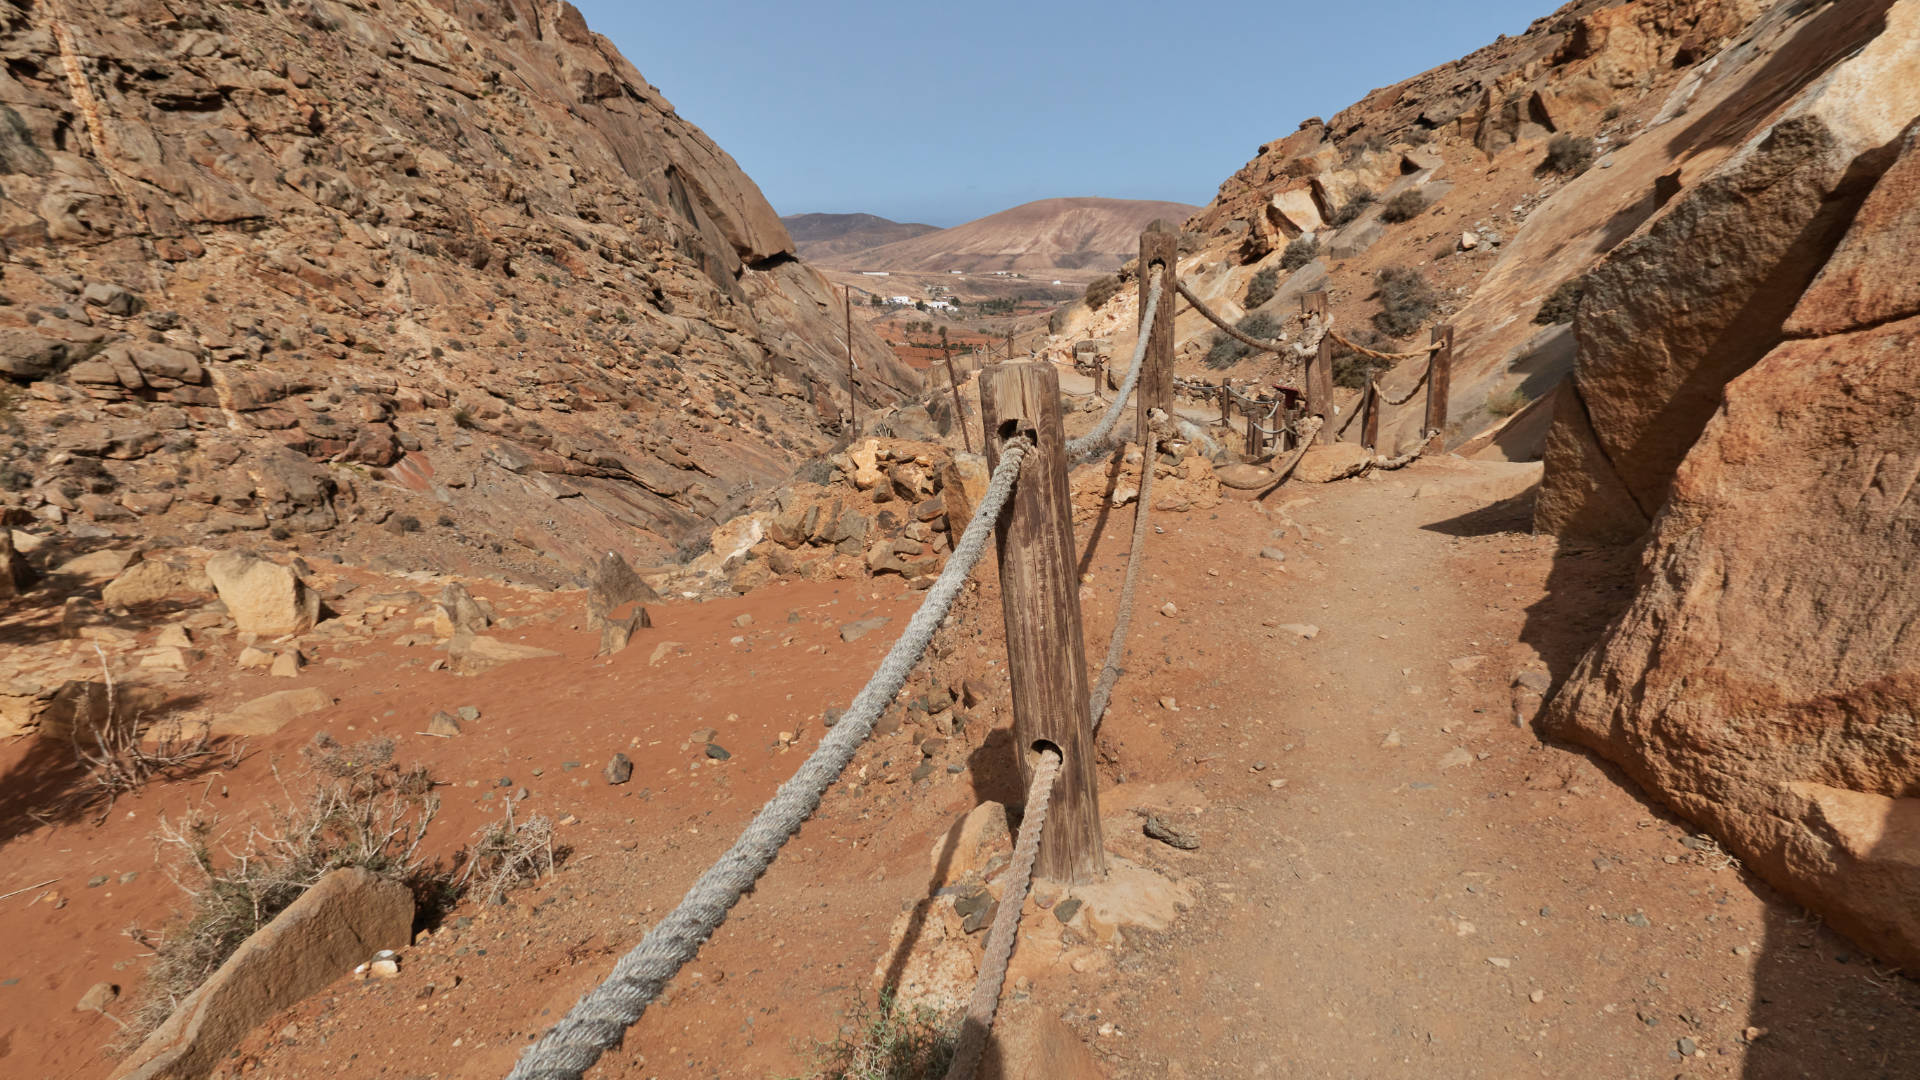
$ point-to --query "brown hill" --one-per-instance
(1036, 237)
(455, 267)
(822, 238)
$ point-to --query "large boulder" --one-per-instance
(1765, 681)
(154, 578)
(1675, 313)
(16, 576)
(346, 917)
(263, 597)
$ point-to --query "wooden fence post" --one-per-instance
(1040, 601)
(1438, 382)
(1320, 369)
(1370, 420)
(1159, 245)
(1253, 435)
(1224, 399)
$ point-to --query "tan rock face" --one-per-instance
(263, 597)
(342, 921)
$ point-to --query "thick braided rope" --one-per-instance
(1364, 351)
(1006, 924)
(1225, 327)
(1404, 459)
(1411, 390)
(1309, 428)
(601, 1017)
(1102, 434)
(1117, 648)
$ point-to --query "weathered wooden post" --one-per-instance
(1040, 601)
(1225, 397)
(1320, 368)
(1253, 435)
(853, 396)
(1159, 248)
(1438, 381)
(1370, 415)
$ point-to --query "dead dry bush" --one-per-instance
(888, 1041)
(506, 854)
(1406, 301)
(121, 752)
(358, 809)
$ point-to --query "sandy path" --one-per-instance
(1432, 891)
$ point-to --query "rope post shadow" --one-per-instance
(1320, 367)
(1159, 246)
(1040, 601)
(1438, 380)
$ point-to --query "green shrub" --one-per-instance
(1228, 351)
(1358, 200)
(1352, 369)
(1404, 207)
(1406, 301)
(1260, 288)
(1300, 251)
(1569, 154)
(1561, 303)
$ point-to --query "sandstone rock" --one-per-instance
(26, 355)
(1764, 681)
(110, 298)
(1323, 463)
(263, 597)
(346, 916)
(269, 713)
(619, 769)
(155, 578)
(101, 565)
(287, 665)
(866, 471)
(251, 657)
(1243, 477)
(443, 723)
(470, 654)
(611, 585)
(617, 633)
(1673, 314)
(458, 612)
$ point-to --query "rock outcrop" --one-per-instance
(346, 917)
(1765, 680)
(451, 268)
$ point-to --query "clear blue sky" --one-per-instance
(945, 112)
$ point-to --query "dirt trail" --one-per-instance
(1398, 880)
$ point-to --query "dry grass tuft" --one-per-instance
(888, 1042)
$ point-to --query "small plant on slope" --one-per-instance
(1260, 288)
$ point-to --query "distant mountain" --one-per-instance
(1051, 234)
(823, 237)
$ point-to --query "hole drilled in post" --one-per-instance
(1046, 746)
(1016, 428)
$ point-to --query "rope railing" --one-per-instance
(600, 1019)
(1428, 350)
(1101, 436)
(985, 1001)
(1123, 617)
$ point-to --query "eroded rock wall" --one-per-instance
(1765, 680)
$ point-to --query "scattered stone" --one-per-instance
(1169, 704)
(1273, 553)
(174, 636)
(443, 724)
(743, 619)
(1537, 996)
(263, 598)
(1066, 909)
(287, 665)
(1305, 630)
(1639, 920)
(717, 752)
(251, 657)
(1392, 741)
(97, 998)
(854, 631)
(1169, 610)
(268, 714)
(619, 769)
(1159, 828)
(468, 713)
(1687, 1046)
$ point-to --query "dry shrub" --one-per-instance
(1101, 290)
(1358, 199)
(889, 1041)
(505, 854)
(1228, 351)
(121, 753)
(1569, 154)
(1404, 207)
(1353, 369)
(1507, 403)
(1261, 286)
(1406, 301)
(359, 809)
(1300, 251)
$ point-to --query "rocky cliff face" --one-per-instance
(1746, 384)
(451, 268)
